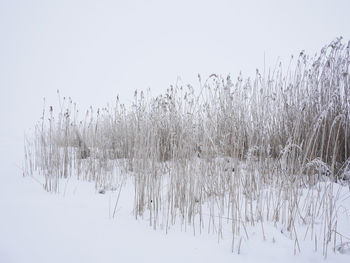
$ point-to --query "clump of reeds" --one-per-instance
(238, 151)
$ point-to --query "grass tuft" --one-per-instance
(241, 151)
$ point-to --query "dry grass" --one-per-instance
(240, 151)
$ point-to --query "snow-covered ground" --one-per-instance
(76, 226)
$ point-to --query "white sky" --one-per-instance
(94, 50)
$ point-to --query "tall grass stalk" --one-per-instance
(238, 151)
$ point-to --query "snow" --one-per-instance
(76, 225)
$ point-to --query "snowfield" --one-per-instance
(76, 225)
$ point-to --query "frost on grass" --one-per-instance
(273, 150)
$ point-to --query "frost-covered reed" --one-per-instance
(241, 151)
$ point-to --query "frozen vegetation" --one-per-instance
(238, 158)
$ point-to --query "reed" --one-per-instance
(243, 152)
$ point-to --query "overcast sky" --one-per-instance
(94, 50)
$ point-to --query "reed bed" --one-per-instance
(241, 152)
